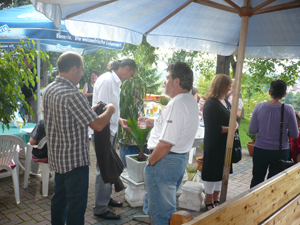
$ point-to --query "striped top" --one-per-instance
(67, 114)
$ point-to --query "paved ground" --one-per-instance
(35, 209)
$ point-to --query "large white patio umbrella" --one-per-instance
(251, 28)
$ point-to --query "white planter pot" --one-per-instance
(135, 168)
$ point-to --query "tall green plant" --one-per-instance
(139, 136)
(13, 73)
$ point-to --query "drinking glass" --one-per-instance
(151, 111)
(142, 122)
(155, 108)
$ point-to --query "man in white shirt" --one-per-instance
(170, 140)
(107, 90)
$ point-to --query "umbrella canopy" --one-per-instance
(251, 28)
(21, 22)
(200, 25)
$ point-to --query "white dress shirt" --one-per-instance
(107, 89)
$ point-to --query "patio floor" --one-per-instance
(35, 209)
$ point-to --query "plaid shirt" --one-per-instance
(67, 114)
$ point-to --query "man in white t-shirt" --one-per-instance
(107, 89)
(170, 140)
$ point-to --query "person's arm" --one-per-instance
(103, 119)
(160, 151)
(85, 89)
(32, 141)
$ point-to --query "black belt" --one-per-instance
(151, 150)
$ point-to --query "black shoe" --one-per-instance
(109, 215)
(114, 203)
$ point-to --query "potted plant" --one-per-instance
(191, 171)
(136, 162)
(131, 103)
(250, 145)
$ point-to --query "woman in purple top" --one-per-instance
(265, 121)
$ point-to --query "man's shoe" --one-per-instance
(109, 215)
(114, 203)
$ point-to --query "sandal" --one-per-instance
(217, 202)
(208, 205)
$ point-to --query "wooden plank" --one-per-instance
(287, 214)
(90, 8)
(217, 6)
(180, 217)
(256, 204)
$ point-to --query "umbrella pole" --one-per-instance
(235, 100)
(39, 83)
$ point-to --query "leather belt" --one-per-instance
(151, 150)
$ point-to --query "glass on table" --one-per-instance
(155, 107)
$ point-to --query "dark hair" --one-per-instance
(121, 63)
(67, 60)
(277, 88)
(182, 71)
(95, 72)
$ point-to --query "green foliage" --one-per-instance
(144, 81)
(13, 73)
(139, 135)
(191, 168)
(243, 129)
(97, 61)
(164, 100)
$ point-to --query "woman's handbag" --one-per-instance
(236, 148)
(283, 164)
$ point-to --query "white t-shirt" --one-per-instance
(177, 124)
(107, 90)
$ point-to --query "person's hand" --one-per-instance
(123, 124)
(110, 108)
(149, 122)
(236, 126)
(95, 107)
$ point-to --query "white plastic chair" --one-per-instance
(9, 160)
(44, 165)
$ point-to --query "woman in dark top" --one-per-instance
(216, 114)
(89, 87)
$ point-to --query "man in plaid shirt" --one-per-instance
(67, 115)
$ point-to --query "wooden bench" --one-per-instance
(275, 201)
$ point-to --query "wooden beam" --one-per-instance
(180, 217)
(217, 6)
(284, 6)
(287, 214)
(235, 101)
(90, 8)
(256, 204)
(233, 4)
(263, 5)
(169, 16)
(248, 3)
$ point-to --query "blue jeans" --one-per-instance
(264, 159)
(162, 181)
(69, 200)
